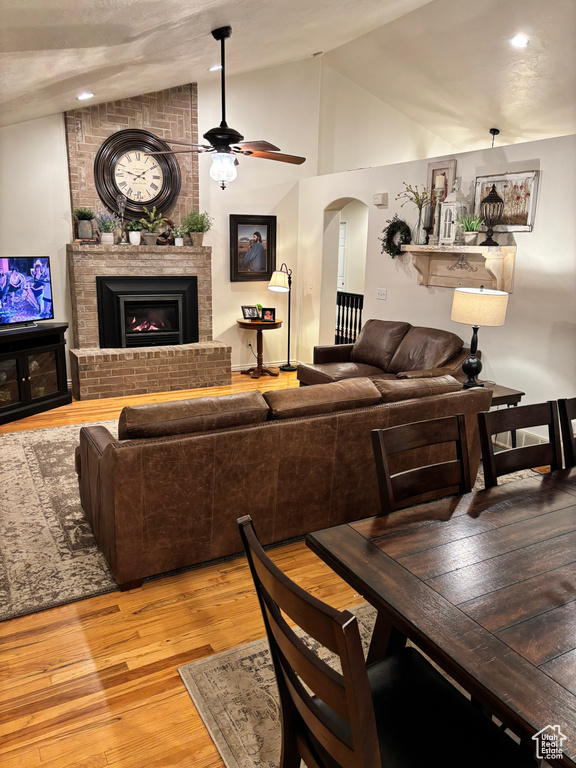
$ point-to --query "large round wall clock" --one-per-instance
(123, 167)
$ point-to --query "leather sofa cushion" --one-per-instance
(394, 390)
(324, 398)
(425, 348)
(200, 414)
(323, 373)
(378, 341)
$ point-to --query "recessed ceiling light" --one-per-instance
(84, 96)
(519, 41)
(215, 68)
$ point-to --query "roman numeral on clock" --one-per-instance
(154, 186)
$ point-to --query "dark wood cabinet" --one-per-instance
(32, 371)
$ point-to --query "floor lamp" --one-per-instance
(476, 307)
(281, 281)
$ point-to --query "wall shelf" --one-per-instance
(470, 266)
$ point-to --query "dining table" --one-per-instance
(484, 584)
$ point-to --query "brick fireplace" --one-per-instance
(118, 371)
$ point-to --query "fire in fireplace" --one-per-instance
(147, 311)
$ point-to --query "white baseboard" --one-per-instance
(523, 438)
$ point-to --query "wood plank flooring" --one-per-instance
(95, 683)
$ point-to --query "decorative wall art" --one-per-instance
(252, 248)
(446, 168)
(519, 192)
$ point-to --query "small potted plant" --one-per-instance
(107, 223)
(84, 217)
(178, 234)
(470, 226)
(134, 229)
(197, 224)
(151, 225)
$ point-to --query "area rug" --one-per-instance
(48, 555)
(236, 696)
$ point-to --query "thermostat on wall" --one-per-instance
(380, 199)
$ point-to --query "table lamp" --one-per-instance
(281, 281)
(476, 307)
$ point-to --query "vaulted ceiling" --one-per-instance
(447, 64)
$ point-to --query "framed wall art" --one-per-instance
(252, 248)
(519, 192)
(446, 168)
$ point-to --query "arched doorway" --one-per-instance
(343, 259)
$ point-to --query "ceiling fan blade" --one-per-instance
(187, 143)
(261, 146)
(180, 151)
(294, 159)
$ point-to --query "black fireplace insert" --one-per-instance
(147, 311)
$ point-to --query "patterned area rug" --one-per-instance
(48, 555)
(236, 696)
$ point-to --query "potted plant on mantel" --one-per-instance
(470, 226)
(196, 224)
(134, 229)
(84, 218)
(151, 225)
(178, 235)
(107, 223)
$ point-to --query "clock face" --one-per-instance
(123, 166)
(138, 176)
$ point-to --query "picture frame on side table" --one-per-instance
(446, 168)
(519, 192)
(268, 315)
(250, 312)
(252, 248)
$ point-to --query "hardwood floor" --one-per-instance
(95, 683)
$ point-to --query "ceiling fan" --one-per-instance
(225, 143)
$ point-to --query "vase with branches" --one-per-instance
(420, 198)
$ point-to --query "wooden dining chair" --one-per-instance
(400, 488)
(567, 412)
(497, 463)
(399, 712)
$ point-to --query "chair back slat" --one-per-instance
(314, 672)
(309, 613)
(322, 709)
(440, 478)
(527, 457)
(415, 482)
(567, 412)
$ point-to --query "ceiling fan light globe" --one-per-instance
(223, 167)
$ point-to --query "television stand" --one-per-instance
(15, 326)
(32, 370)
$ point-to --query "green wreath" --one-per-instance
(395, 235)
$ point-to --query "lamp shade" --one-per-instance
(479, 306)
(279, 282)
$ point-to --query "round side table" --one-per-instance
(259, 326)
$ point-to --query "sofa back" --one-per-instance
(169, 502)
(398, 346)
(424, 348)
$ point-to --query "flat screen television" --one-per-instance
(25, 290)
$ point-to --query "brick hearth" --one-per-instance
(99, 372)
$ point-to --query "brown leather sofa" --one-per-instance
(168, 491)
(387, 349)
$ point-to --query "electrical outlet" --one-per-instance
(382, 294)
(250, 344)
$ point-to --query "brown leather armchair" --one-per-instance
(387, 349)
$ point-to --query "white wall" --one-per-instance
(357, 130)
(535, 349)
(355, 215)
(35, 213)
